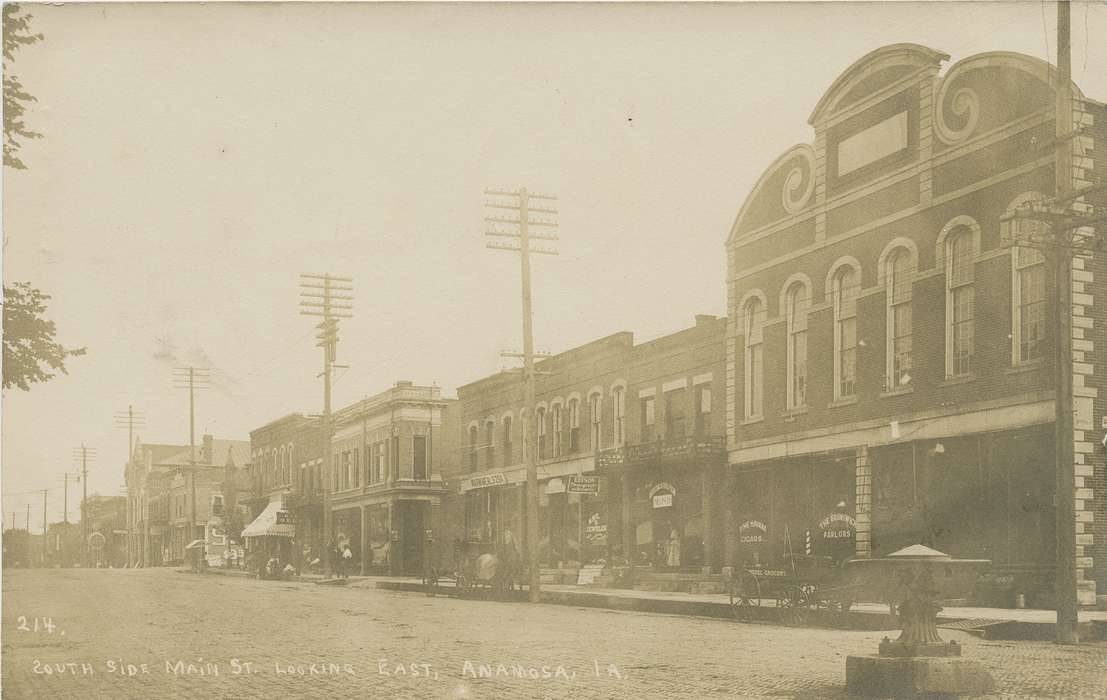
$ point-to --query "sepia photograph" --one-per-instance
(527, 350)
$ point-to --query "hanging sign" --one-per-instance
(752, 532)
(584, 484)
(662, 494)
(497, 479)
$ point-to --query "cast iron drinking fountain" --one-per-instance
(918, 663)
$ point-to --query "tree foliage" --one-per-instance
(17, 33)
(30, 352)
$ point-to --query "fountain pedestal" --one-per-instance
(918, 663)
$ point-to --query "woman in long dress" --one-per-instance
(673, 560)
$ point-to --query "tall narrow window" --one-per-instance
(960, 298)
(541, 418)
(846, 285)
(619, 411)
(796, 316)
(594, 418)
(647, 418)
(754, 339)
(419, 457)
(508, 456)
(1028, 291)
(674, 414)
(897, 274)
(356, 466)
(395, 457)
(473, 437)
(574, 425)
(703, 409)
(490, 444)
(559, 429)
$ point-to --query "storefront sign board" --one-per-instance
(497, 479)
(584, 484)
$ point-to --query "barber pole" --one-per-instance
(806, 541)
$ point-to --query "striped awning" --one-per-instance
(267, 525)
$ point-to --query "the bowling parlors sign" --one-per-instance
(837, 527)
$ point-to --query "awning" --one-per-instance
(195, 544)
(266, 525)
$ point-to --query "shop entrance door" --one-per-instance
(412, 536)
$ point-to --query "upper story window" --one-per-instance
(796, 303)
(395, 460)
(490, 444)
(508, 457)
(846, 284)
(574, 425)
(647, 418)
(1028, 304)
(619, 412)
(594, 418)
(419, 457)
(960, 301)
(753, 322)
(559, 430)
(703, 409)
(473, 437)
(540, 416)
(674, 413)
(897, 289)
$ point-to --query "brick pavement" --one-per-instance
(154, 616)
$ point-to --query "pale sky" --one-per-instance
(197, 158)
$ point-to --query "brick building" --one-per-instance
(636, 416)
(287, 475)
(889, 357)
(147, 480)
(394, 456)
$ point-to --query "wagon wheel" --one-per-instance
(793, 604)
(745, 594)
(430, 581)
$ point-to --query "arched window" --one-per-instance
(960, 302)
(897, 283)
(473, 448)
(1028, 304)
(594, 418)
(559, 430)
(540, 416)
(574, 425)
(507, 441)
(490, 443)
(619, 414)
(845, 287)
(796, 303)
(754, 340)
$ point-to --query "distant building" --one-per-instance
(627, 439)
(890, 358)
(105, 534)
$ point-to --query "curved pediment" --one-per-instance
(872, 72)
(785, 188)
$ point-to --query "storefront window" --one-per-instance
(380, 537)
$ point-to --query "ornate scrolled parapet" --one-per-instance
(799, 183)
(963, 105)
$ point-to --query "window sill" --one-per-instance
(848, 401)
(955, 381)
(1023, 367)
(898, 392)
(754, 420)
(793, 412)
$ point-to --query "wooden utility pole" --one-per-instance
(322, 296)
(1065, 587)
(84, 454)
(193, 379)
(130, 420)
(44, 528)
(518, 203)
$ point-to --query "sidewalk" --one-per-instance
(993, 623)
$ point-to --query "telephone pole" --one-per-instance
(44, 528)
(518, 219)
(84, 454)
(327, 297)
(1061, 230)
(130, 420)
(193, 379)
